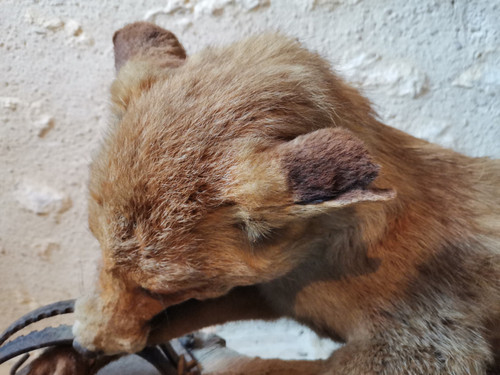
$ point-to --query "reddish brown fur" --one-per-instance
(194, 195)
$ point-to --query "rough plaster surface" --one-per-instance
(431, 67)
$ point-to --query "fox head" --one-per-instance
(217, 171)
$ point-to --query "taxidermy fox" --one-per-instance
(250, 182)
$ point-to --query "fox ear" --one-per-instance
(149, 49)
(150, 42)
(329, 168)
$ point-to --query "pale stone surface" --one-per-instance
(46, 249)
(73, 28)
(10, 103)
(431, 67)
(43, 125)
(41, 199)
(485, 72)
(397, 78)
(254, 4)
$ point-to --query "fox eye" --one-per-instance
(149, 293)
(258, 232)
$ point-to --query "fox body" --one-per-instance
(250, 182)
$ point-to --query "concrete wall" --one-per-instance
(431, 67)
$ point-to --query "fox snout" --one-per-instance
(113, 320)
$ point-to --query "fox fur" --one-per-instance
(251, 182)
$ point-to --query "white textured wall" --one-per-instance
(431, 68)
